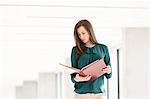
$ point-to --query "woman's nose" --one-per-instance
(81, 36)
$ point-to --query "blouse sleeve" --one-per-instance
(107, 61)
(73, 63)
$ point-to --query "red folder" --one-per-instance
(94, 69)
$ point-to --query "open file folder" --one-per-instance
(94, 69)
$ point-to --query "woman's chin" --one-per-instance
(84, 42)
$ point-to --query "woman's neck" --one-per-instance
(89, 44)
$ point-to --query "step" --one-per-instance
(47, 85)
(19, 92)
(29, 90)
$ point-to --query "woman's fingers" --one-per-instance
(107, 70)
(86, 78)
(79, 78)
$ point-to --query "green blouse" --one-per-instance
(91, 54)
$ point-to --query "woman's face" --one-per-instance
(83, 34)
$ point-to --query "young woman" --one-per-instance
(86, 51)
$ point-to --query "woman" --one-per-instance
(86, 51)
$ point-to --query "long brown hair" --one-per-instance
(80, 48)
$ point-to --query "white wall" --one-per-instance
(136, 76)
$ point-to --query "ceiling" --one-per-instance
(104, 13)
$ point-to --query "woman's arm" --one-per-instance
(73, 63)
(108, 69)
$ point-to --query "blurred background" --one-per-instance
(36, 35)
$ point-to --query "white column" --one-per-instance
(59, 85)
(148, 77)
(113, 81)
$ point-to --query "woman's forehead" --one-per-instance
(81, 29)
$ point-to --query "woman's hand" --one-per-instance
(79, 78)
(107, 70)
